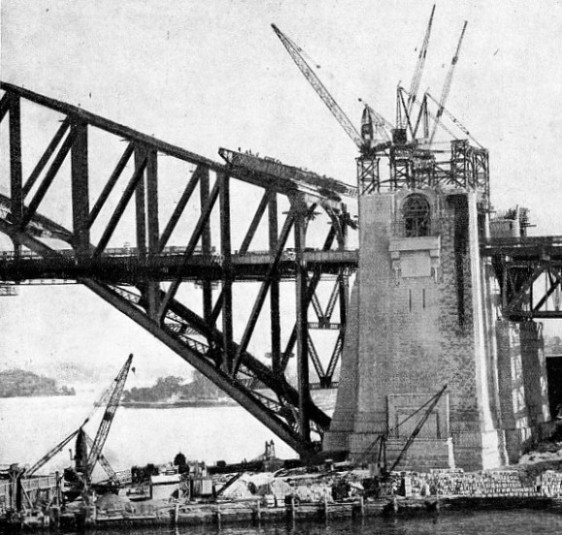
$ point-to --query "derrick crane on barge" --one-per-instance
(85, 463)
(107, 419)
(79, 478)
(381, 440)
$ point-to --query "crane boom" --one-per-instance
(319, 87)
(416, 78)
(49, 455)
(447, 84)
(418, 427)
(102, 459)
(455, 121)
(108, 416)
(381, 124)
(381, 439)
(429, 114)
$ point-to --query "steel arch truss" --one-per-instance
(153, 280)
(529, 275)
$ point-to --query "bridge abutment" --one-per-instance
(418, 321)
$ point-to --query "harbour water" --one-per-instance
(29, 427)
(482, 523)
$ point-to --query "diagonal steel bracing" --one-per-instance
(142, 280)
(197, 354)
(263, 291)
(528, 271)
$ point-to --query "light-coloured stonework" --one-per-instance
(423, 315)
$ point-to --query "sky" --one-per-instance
(205, 75)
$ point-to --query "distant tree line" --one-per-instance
(173, 387)
(16, 383)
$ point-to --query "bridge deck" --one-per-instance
(531, 248)
(125, 265)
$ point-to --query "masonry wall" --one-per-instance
(523, 385)
(417, 325)
(515, 419)
(534, 373)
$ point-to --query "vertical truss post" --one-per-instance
(206, 247)
(344, 299)
(15, 164)
(505, 282)
(140, 201)
(302, 323)
(15, 160)
(152, 201)
(226, 252)
(274, 290)
(80, 189)
(153, 287)
(310, 292)
(344, 228)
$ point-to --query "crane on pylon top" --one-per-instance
(409, 148)
(447, 85)
(416, 78)
(296, 53)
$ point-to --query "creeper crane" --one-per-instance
(447, 84)
(363, 140)
(416, 78)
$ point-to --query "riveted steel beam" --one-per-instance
(51, 147)
(110, 184)
(227, 278)
(15, 160)
(289, 221)
(120, 208)
(48, 178)
(182, 203)
(196, 235)
(80, 189)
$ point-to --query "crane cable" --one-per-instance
(370, 447)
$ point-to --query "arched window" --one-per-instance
(416, 213)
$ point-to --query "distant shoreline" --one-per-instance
(55, 395)
(17, 383)
(182, 403)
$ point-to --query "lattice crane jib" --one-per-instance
(408, 145)
(108, 417)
